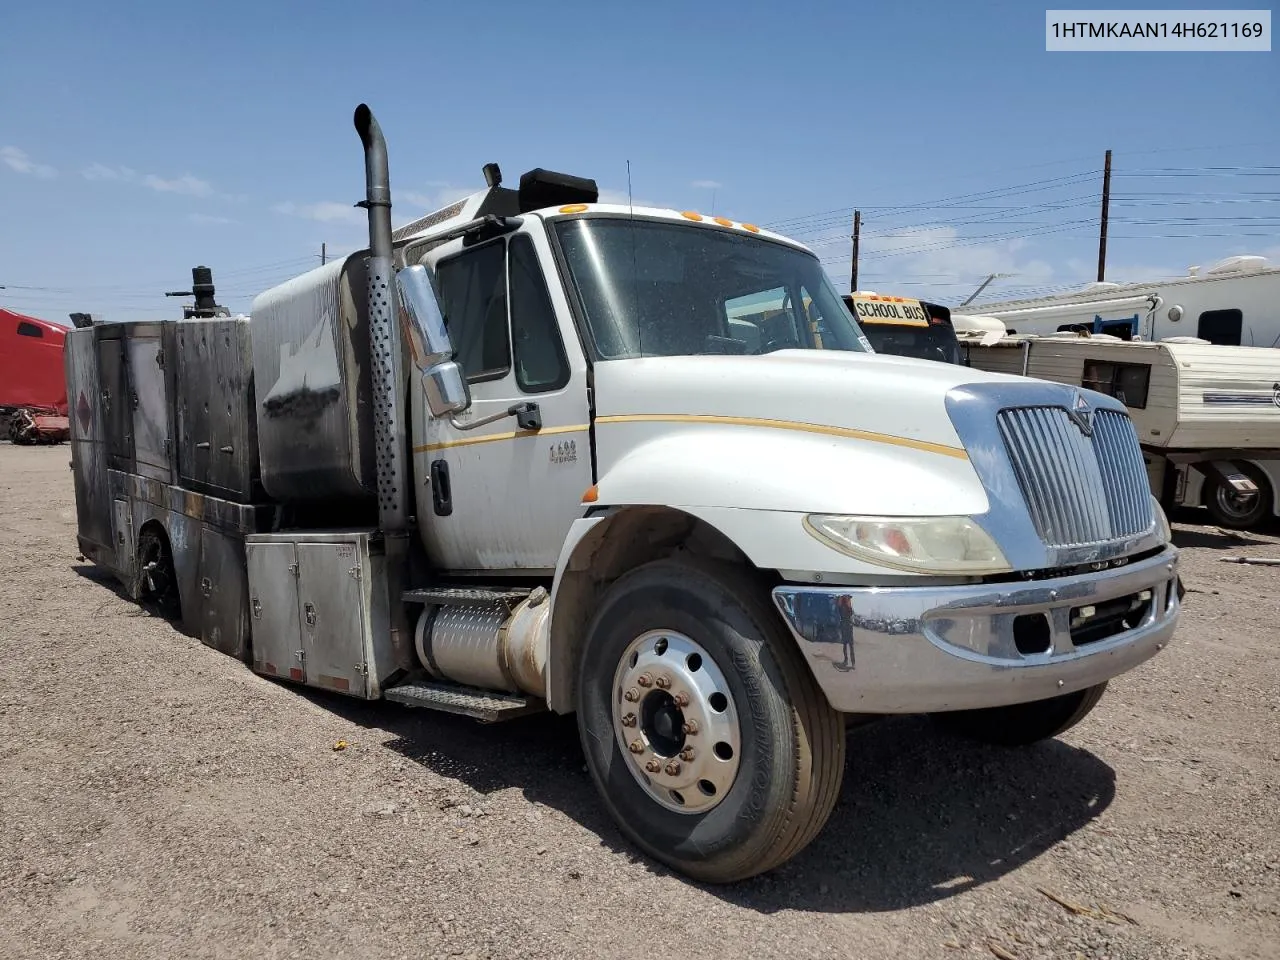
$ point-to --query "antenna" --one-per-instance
(630, 205)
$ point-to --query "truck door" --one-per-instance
(499, 498)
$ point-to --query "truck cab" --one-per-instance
(534, 451)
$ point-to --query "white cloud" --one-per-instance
(19, 162)
(938, 263)
(706, 185)
(326, 211)
(186, 184)
(441, 195)
(205, 219)
(99, 171)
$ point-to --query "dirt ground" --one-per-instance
(157, 799)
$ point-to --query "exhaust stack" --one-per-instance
(391, 463)
(384, 331)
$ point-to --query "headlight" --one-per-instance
(944, 545)
(1162, 522)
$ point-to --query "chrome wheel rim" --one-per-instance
(675, 722)
(1235, 505)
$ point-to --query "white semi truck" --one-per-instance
(515, 456)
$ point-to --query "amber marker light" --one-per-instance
(574, 208)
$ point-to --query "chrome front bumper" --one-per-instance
(926, 649)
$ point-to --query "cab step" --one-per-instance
(467, 701)
(460, 595)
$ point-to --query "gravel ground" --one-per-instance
(160, 800)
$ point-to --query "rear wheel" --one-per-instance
(710, 743)
(1234, 511)
(1021, 724)
(159, 580)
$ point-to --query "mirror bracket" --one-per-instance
(527, 414)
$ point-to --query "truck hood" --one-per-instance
(797, 430)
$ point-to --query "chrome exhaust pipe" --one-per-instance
(377, 182)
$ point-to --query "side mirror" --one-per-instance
(429, 345)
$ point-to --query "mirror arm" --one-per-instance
(527, 414)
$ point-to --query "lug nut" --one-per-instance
(681, 699)
(644, 680)
(653, 766)
(686, 754)
(664, 682)
(636, 746)
(632, 695)
(673, 767)
(629, 720)
(690, 726)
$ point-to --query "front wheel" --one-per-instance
(1020, 724)
(708, 739)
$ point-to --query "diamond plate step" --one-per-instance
(467, 701)
(448, 595)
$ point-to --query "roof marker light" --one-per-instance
(751, 226)
(723, 222)
(690, 215)
(573, 208)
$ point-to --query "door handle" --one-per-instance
(310, 609)
(441, 494)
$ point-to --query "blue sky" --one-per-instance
(138, 139)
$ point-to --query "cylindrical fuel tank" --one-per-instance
(487, 645)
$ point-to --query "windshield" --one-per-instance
(934, 342)
(650, 288)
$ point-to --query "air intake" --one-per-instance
(546, 188)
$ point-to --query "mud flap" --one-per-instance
(1229, 475)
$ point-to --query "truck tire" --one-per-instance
(708, 739)
(1229, 510)
(158, 580)
(1021, 724)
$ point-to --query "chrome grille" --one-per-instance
(1080, 489)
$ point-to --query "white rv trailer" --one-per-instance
(1235, 302)
(1207, 416)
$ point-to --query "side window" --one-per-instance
(539, 353)
(29, 329)
(762, 321)
(815, 323)
(473, 299)
(1127, 382)
(1124, 329)
(1221, 326)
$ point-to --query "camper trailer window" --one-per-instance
(29, 329)
(1222, 327)
(473, 299)
(1127, 382)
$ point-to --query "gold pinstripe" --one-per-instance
(848, 432)
(492, 437)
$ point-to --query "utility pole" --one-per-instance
(857, 232)
(322, 255)
(1106, 209)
